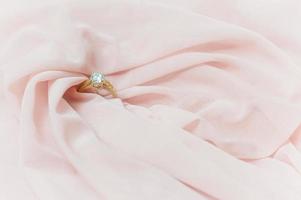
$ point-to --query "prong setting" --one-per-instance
(97, 79)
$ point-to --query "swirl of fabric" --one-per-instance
(208, 105)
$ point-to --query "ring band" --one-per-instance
(97, 81)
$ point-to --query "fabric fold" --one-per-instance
(207, 107)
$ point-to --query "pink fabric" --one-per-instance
(209, 100)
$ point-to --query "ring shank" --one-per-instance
(84, 85)
(87, 84)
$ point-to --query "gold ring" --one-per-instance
(97, 81)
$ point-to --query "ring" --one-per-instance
(97, 81)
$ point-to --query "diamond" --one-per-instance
(97, 78)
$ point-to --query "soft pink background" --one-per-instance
(209, 100)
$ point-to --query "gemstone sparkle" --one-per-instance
(97, 78)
